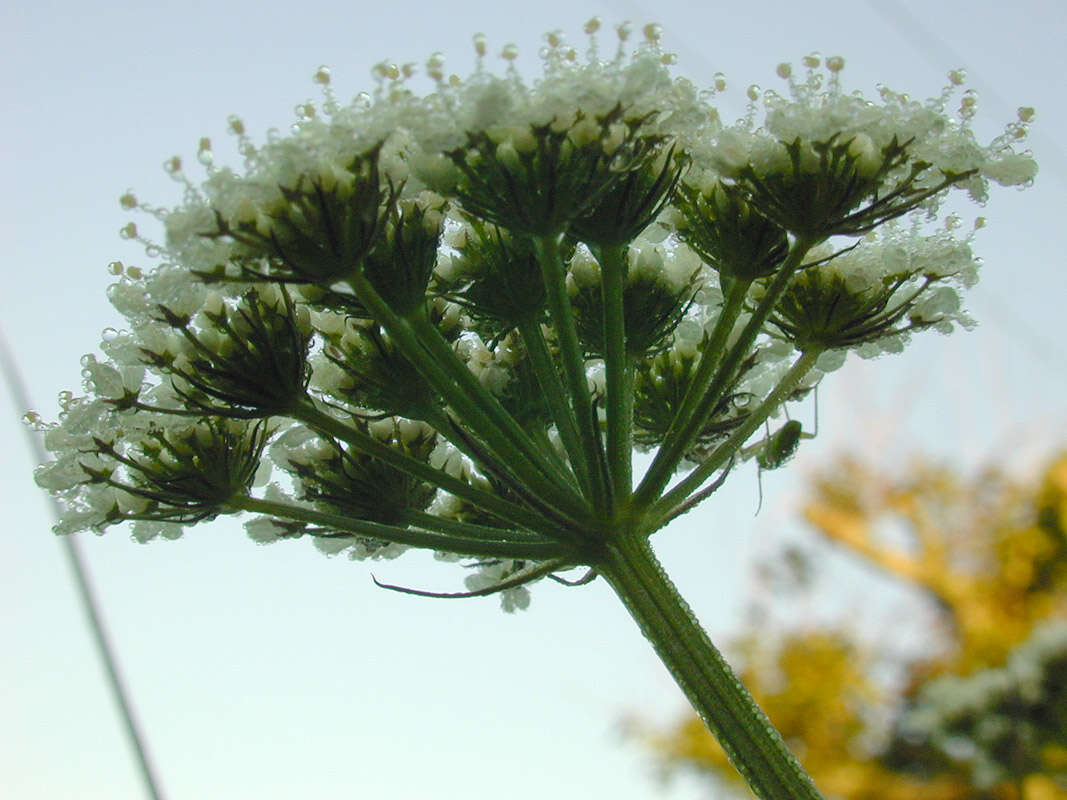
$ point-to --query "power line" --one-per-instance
(86, 594)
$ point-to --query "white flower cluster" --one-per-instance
(570, 95)
(159, 471)
(818, 110)
(294, 270)
(899, 278)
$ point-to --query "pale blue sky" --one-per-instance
(276, 673)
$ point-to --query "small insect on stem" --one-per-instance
(776, 450)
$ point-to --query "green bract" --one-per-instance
(537, 179)
(244, 360)
(728, 233)
(183, 474)
(313, 231)
(602, 265)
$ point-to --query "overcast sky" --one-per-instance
(277, 673)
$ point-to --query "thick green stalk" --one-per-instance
(471, 545)
(322, 422)
(752, 744)
(562, 414)
(618, 374)
(559, 305)
(662, 510)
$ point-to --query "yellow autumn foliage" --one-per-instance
(991, 556)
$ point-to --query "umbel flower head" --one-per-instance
(826, 162)
(245, 360)
(871, 298)
(448, 320)
(536, 276)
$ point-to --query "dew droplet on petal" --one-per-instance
(115, 267)
(969, 104)
(203, 152)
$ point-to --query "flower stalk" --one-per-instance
(422, 343)
(678, 495)
(746, 735)
(715, 371)
(574, 370)
(618, 374)
(472, 543)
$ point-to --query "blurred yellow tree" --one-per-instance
(984, 717)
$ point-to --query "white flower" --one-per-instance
(818, 112)
(299, 287)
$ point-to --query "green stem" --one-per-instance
(685, 425)
(432, 522)
(506, 440)
(662, 510)
(703, 396)
(751, 743)
(550, 383)
(559, 305)
(422, 344)
(467, 443)
(618, 374)
(466, 545)
(320, 421)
